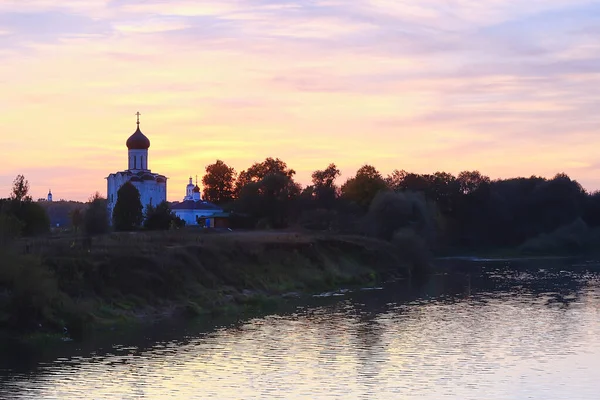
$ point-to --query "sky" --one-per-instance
(506, 87)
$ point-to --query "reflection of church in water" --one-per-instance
(153, 187)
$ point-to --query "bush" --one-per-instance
(392, 211)
(33, 217)
(32, 292)
(319, 219)
(95, 220)
(10, 228)
(161, 218)
(570, 239)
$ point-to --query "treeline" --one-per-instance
(469, 210)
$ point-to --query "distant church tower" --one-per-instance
(189, 191)
(49, 195)
(196, 191)
(152, 186)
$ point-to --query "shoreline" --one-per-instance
(140, 278)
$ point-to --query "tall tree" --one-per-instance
(20, 189)
(219, 183)
(259, 170)
(324, 190)
(471, 181)
(127, 215)
(267, 191)
(364, 186)
(95, 219)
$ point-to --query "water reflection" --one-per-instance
(492, 331)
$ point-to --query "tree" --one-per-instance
(390, 212)
(20, 190)
(161, 217)
(95, 219)
(10, 227)
(324, 189)
(219, 183)
(364, 186)
(395, 180)
(127, 214)
(259, 170)
(76, 219)
(34, 218)
(267, 191)
(470, 181)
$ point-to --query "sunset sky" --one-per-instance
(508, 87)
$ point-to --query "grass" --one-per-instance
(65, 283)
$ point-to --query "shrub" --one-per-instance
(391, 211)
(571, 238)
(95, 220)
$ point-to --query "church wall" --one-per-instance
(189, 216)
(150, 191)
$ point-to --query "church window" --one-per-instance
(134, 162)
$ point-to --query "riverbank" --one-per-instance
(70, 286)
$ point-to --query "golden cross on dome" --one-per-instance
(138, 117)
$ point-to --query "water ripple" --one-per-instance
(499, 335)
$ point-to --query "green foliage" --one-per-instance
(219, 183)
(20, 215)
(258, 171)
(391, 211)
(10, 228)
(363, 188)
(324, 190)
(573, 238)
(95, 219)
(127, 214)
(32, 217)
(161, 218)
(32, 289)
(267, 192)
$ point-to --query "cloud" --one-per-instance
(428, 85)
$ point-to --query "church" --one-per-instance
(195, 211)
(152, 186)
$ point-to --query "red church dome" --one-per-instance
(138, 141)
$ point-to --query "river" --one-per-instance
(482, 330)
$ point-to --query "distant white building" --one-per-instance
(49, 198)
(194, 210)
(152, 186)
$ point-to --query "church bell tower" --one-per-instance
(137, 146)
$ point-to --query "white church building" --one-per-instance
(193, 209)
(152, 186)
